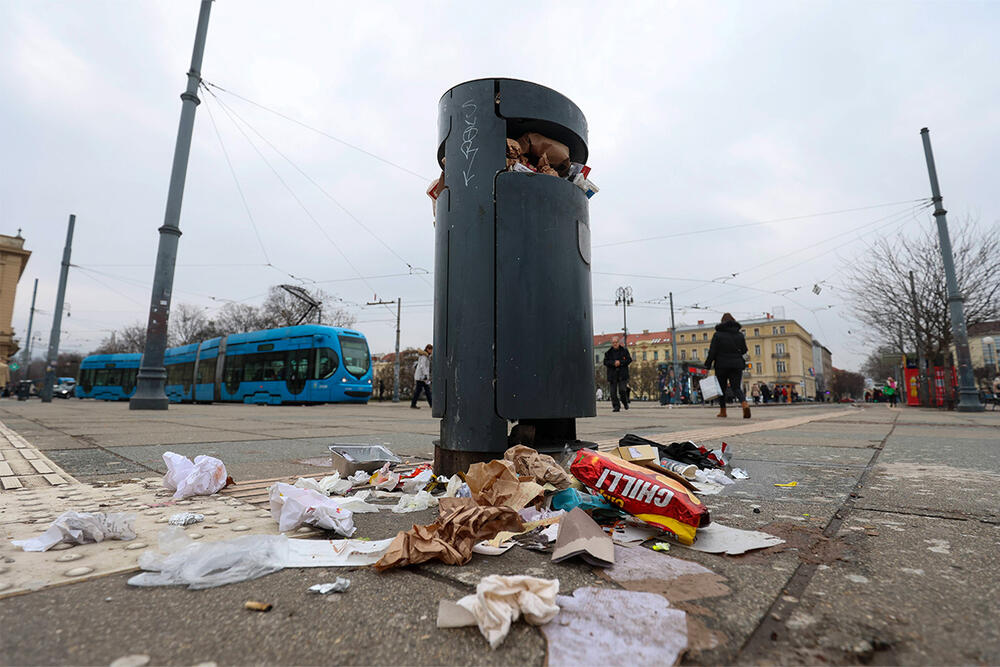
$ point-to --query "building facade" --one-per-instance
(783, 354)
(13, 259)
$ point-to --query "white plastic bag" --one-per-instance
(293, 507)
(418, 481)
(710, 387)
(202, 478)
(415, 502)
(209, 564)
(82, 528)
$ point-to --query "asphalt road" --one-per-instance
(892, 535)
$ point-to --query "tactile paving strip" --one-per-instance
(28, 512)
(23, 466)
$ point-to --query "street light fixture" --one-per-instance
(624, 297)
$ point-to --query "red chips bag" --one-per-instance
(646, 495)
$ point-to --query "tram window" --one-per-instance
(300, 364)
(356, 358)
(327, 363)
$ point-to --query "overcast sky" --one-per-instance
(701, 115)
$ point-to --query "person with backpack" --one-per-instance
(726, 352)
(422, 376)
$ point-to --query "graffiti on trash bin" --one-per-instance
(469, 148)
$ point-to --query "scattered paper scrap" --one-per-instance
(596, 623)
(788, 484)
(579, 535)
(716, 538)
(339, 585)
(498, 602)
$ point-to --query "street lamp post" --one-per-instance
(623, 296)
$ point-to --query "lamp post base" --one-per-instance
(968, 401)
(142, 403)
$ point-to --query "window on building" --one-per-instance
(756, 350)
(760, 369)
(597, 358)
(756, 332)
(774, 331)
(682, 338)
(694, 353)
(644, 355)
(781, 366)
(779, 348)
(781, 329)
(706, 353)
(989, 356)
(656, 355)
(704, 336)
(683, 355)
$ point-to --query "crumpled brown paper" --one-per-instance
(513, 152)
(496, 484)
(536, 146)
(542, 467)
(461, 524)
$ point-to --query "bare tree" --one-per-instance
(846, 384)
(875, 365)
(188, 324)
(281, 309)
(238, 318)
(385, 372)
(878, 287)
(130, 338)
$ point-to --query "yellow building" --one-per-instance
(13, 259)
(781, 352)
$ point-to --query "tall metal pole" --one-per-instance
(922, 389)
(53, 358)
(31, 321)
(968, 397)
(149, 393)
(395, 370)
(673, 349)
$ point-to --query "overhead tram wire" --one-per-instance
(294, 196)
(239, 187)
(319, 187)
(693, 232)
(318, 131)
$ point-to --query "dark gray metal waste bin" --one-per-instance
(513, 325)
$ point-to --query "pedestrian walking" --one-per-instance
(755, 393)
(617, 359)
(890, 391)
(726, 352)
(765, 392)
(422, 376)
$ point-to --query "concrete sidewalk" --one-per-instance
(892, 535)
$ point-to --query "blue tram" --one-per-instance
(300, 364)
(108, 377)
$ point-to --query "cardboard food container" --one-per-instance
(639, 454)
(348, 459)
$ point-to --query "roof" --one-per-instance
(652, 337)
(982, 328)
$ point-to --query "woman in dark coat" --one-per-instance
(726, 352)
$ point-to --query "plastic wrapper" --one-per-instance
(185, 519)
(654, 498)
(340, 585)
(417, 480)
(385, 479)
(205, 476)
(567, 499)
(209, 564)
(293, 507)
(82, 528)
(588, 186)
(415, 502)
(331, 485)
(713, 476)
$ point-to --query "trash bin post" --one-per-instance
(513, 325)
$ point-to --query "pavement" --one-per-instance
(892, 536)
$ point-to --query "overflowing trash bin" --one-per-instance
(513, 321)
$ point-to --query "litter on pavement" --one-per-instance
(203, 477)
(340, 585)
(498, 602)
(579, 535)
(82, 528)
(596, 626)
(185, 519)
(294, 507)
